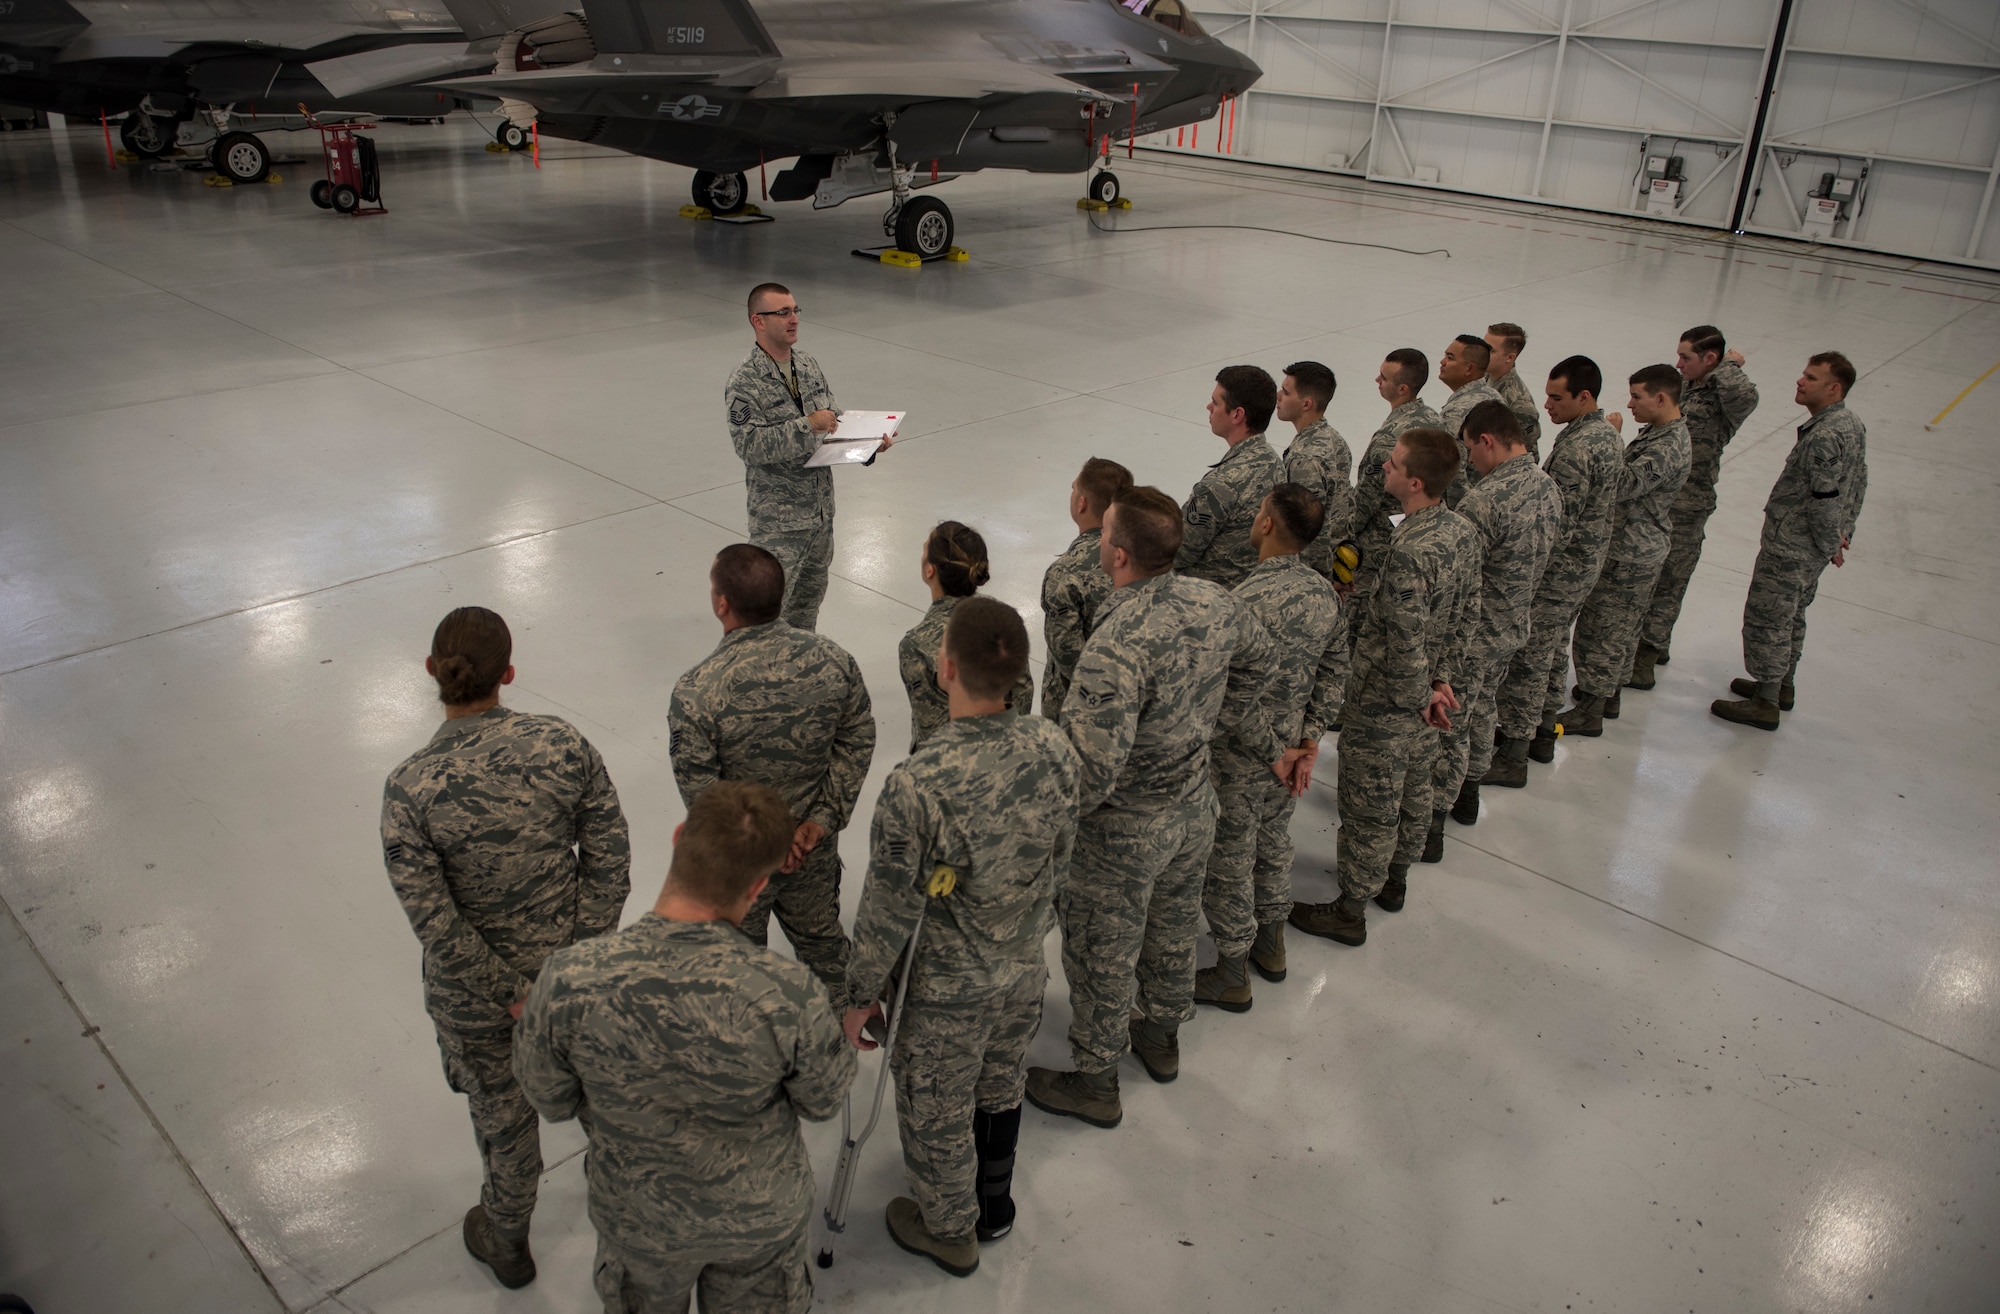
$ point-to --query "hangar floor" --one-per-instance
(1705, 1019)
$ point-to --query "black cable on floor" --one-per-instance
(1252, 228)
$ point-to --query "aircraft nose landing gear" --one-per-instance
(721, 193)
(1104, 187)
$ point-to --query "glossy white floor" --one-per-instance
(1706, 1019)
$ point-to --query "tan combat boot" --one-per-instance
(1510, 765)
(1091, 1097)
(1585, 718)
(1157, 1048)
(1395, 889)
(1787, 695)
(1434, 840)
(958, 1256)
(1759, 712)
(1268, 954)
(1226, 985)
(1643, 662)
(1336, 921)
(510, 1261)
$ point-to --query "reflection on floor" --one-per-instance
(1704, 1019)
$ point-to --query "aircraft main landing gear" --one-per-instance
(149, 136)
(241, 157)
(1104, 187)
(721, 193)
(511, 135)
(923, 227)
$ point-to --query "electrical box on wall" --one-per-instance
(1663, 184)
(1828, 205)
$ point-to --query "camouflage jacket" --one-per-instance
(1172, 661)
(772, 435)
(1319, 459)
(1526, 409)
(1715, 407)
(1413, 629)
(1656, 465)
(1818, 495)
(689, 1055)
(1518, 514)
(504, 841)
(783, 707)
(1587, 461)
(1301, 612)
(994, 799)
(1372, 504)
(917, 654)
(1215, 545)
(1452, 414)
(1073, 588)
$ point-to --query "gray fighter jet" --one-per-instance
(865, 96)
(195, 72)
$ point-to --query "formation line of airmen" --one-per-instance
(1196, 656)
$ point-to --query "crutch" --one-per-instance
(942, 881)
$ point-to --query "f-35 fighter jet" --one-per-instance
(865, 96)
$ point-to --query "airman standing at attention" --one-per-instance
(786, 708)
(1215, 540)
(1075, 585)
(1507, 342)
(1318, 457)
(780, 408)
(954, 566)
(504, 842)
(1463, 369)
(1399, 691)
(1172, 660)
(1403, 375)
(980, 821)
(690, 1055)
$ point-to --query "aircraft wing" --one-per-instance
(395, 66)
(940, 79)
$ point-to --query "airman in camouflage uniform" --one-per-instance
(690, 1055)
(504, 841)
(1809, 521)
(786, 708)
(1373, 506)
(1462, 368)
(1410, 642)
(1073, 590)
(916, 655)
(1215, 538)
(1518, 512)
(1607, 629)
(1318, 458)
(993, 798)
(1522, 402)
(1715, 405)
(1587, 463)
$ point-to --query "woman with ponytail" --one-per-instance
(953, 566)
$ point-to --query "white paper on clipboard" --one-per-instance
(858, 438)
(838, 451)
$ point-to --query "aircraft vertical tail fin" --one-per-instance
(679, 27)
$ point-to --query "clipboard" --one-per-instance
(857, 439)
(844, 451)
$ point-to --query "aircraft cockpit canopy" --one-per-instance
(1171, 14)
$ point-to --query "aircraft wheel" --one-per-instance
(511, 135)
(1104, 187)
(148, 135)
(322, 194)
(345, 199)
(721, 193)
(241, 157)
(924, 227)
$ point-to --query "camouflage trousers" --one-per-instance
(951, 1061)
(1691, 512)
(479, 1064)
(1532, 690)
(1384, 794)
(1783, 584)
(1249, 877)
(807, 902)
(1607, 629)
(1466, 750)
(775, 1281)
(1130, 911)
(806, 555)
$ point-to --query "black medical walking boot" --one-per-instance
(1434, 840)
(1226, 985)
(994, 1136)
(1089, 1096)
(1158, 1048)
(1395, 889)
(1787, 695)
(1510, 765)
(1643, 663)
(1586, 718)
(958, 1256)
(510, 1261)
(1466, 810)
(1343, 921)
(1542, 748)
(1268, 954)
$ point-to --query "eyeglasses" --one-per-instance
(782, 312)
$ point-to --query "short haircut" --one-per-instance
(1512, 336)
(1253, 390)
(988, 641)
(1705, 338)
(1658, 379)
(1100, 483)
(736, 831)
(958, 554)
(1477, 353)
(1579, 375)
(1433, 458)
(1148, 527)
(1841, 367)
(752, 580)
(1313, 381)
(1412, 367)
(470, 650)
(1299, 513)
(761, 289)
(1496, 418)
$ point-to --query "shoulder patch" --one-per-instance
(739, 411)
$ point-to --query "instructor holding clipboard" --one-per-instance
(779, 410)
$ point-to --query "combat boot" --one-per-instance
(1091, 1097)
(958, 1256)
(510, 1261)
(1226, 985)
(1510, 765)
(1542, 748)
(1643, 663)
(1787, 695)
(1341, 921)
(1611, 705)
(1760, 712)
(994, 1136)
(1466, 810)
(1268, 954)
(1586, 718)
(1158, 1048)
(1396, 889)
(1434, 840)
